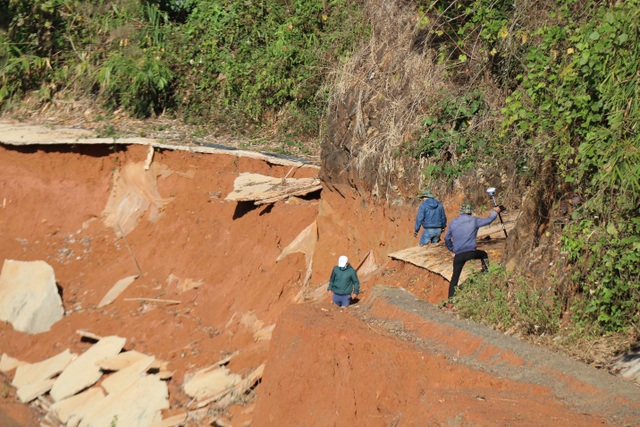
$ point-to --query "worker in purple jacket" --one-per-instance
(461, 241)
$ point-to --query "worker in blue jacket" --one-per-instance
(461, 241)
(344, 283)
(431, 218)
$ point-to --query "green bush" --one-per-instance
(508, 302)
(453, 136)
(577, 107)
(251, 58)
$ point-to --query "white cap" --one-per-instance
(342, 261)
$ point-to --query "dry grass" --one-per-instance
(389, 84)
(595, 351)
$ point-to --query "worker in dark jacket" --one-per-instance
(344, 283)
(431, 218)
(461, 241)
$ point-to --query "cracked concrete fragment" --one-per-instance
(84, 371)
(29, 298)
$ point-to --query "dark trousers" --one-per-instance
(458, 263)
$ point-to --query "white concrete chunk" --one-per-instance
(76, 407)
(29, 298)
(8, 363)
(84, 371)
(119, 381)
(139, 405)
(262, 189)
(116, 290)
(121, 360)
(37, 372)
(209, 382)
(31, 391)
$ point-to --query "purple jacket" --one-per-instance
(463, 231)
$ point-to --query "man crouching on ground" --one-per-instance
(344, 283)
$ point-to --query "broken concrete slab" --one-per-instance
(84, 371)
(305, 242)
(433, 257)
(140, 405)
(29, 298)
(119, 381)
(237, 391)
(46, 369)
(127, 358)
(116, 290)
(368, 266)
(262, 189)
(77, 406)
(20, 134)
(8, 363)
(31, 391)
(209, 382)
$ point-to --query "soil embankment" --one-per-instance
(212, 281)
(397, 360)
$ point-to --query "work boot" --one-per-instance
(485, 264)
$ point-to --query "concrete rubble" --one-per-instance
(108, 384)
(116, 290)
(29, 298)
(84, 371)
(262, 189)
(34, 379)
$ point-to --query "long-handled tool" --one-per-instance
(492, 192)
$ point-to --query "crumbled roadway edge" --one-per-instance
(541, 366)
(23, 135)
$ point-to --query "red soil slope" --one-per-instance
(51, 202)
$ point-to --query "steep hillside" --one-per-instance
(215, 277)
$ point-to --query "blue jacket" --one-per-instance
(463, 231)
(430, 215)
(344, 281)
